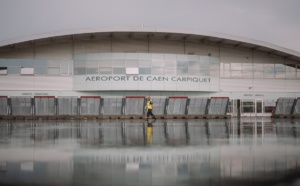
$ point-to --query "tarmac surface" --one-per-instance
(167, 152)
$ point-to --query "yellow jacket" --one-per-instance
(149, 104)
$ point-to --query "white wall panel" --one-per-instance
(16, 82)
(201, 49)
(53, 83)
(236, 85)
(35, 83)
(130, 45)
(163, 46)
(234, 55)
(209, 49)
(269, 85)
(293, 85)
(27, 71)
(259, 85)
(54, 51)
(192, 48)
(260, 57)
(22, 53)
(96, 46)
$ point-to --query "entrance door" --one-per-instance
(252, 107)
(247, 107)
(259, 107)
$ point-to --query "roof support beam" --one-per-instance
(111, 35)
(254, 48)
(185, 37)
(221, 42)
(93, 35)
(271, 53)
(150, 35)
(203, 39)
(167, 36)
(130, 35)
(238, 45)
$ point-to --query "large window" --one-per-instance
(259, 71)
(36, 67)
(156, 64)
(115, 63)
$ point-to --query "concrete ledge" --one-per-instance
(285, 116)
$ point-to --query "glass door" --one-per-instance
(252, 107)
(247, 108)
(259, 107)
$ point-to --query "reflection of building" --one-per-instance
(212, 151)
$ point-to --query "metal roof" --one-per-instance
(206, 38)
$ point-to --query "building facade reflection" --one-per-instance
(167, 152)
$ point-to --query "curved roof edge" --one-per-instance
(147, 29)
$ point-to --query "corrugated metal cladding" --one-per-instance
(95, 105)
(21, 106)
(3, 105)
(112, 106)
(198, 106)
(44, 105)
(287, 107)
(67, 106)
(297, 107)
(90, 105)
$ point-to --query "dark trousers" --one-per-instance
(149, 113)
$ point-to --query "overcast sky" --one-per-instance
(272, 21)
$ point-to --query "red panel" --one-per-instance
(3, 96)
(90, 96)
(219, 97)
(44, 96)
(178, 97)
(135, 97)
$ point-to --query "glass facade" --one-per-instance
(259, 71)
(147, 63)
(156, 64)
(38, 66)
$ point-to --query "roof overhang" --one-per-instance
(150, 33)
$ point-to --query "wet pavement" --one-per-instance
(250, 151)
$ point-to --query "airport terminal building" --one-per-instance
(173, 67)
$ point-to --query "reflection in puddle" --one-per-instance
(253, 151)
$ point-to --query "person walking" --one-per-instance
(149, 108)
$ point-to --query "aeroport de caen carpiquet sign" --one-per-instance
(148, 78)
(145, 82)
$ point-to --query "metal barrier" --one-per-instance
(90, 105)
(134, 105)
(129, 107)
(177, 105)
(44, 105)
(3, 105)
(112, 106)
(296, 110)
(67, 106)
(218, 106)
(284, 106)
(159, 105)
(21, 106)
(197, 106)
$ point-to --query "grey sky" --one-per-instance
(272, 21)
